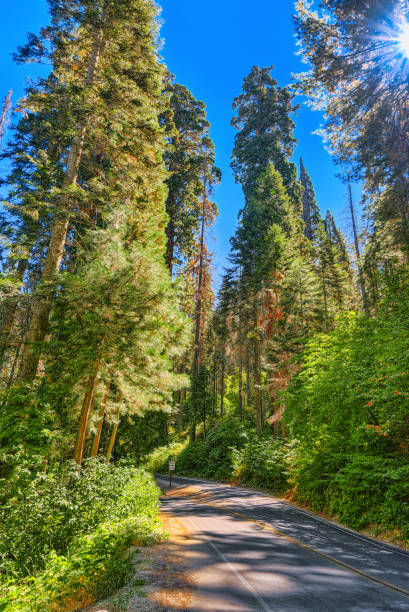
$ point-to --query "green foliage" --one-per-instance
(44, 511)
(348, 408)
(95, 566)
(263, 464)
(157, 461)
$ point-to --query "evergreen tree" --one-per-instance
(358, 76)
(265, 132)
(107, 79)
(190, 160)
(311, 213)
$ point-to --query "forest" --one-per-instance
(119, 350)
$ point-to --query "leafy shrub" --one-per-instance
(45, 511)
(216, 456)
(262, 464)
(95, 566)
(157, 462)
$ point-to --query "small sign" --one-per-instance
(171, 466)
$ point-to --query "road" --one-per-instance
(250, 551)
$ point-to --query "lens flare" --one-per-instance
(404, 39)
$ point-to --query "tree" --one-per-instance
(107, 78)
(358, 76)
(189, 152)
(310, 211)
(265, 132)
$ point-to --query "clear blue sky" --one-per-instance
(210, 46)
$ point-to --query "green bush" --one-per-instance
(46, 510)
(263, 464)
(95, 566)
(216, 456)
(157, 462)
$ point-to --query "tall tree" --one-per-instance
(189, 152)
(265, 132)
(359, 77)
(107, 78)
(310, 211)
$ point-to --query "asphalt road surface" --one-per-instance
(250, 551)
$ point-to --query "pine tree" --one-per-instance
(265, 132)
(311, 213)
(358, 76)
(107, 78)
(189, 159)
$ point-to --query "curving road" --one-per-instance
(250, 551)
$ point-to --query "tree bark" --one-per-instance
(199, 310)
(170, 247)
(240, 386)
(39, 320)
(257, 377)
(101, 415)
(83, 422)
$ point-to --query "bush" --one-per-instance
(157, 462)
(96, 565)
(46, 510)
(262, 464)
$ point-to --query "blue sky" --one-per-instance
(210, 46)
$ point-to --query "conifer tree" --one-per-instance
(358, 76)
(311, 213)
(107, 78)
(265, 132)
(189, 159)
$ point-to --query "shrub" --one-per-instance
(45, 511)
(262, 464)
(157, 461)
(96, 565)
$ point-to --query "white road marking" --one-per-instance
(225, 560)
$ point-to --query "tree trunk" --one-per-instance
(357, 250)
(170, 247)
(114, 431)
(222, 385)
(97, 437)
(39, 320)
(240, 386)
(248, 376)
(199, 311)
(83, 422)
(257, 377)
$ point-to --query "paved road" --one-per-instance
(251, 551)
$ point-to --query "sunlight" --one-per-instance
(404, 39)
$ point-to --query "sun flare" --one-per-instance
(404, 39)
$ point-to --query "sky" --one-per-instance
(210, 46)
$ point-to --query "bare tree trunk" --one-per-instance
(248, 376)
(83, 422)
(97, 437)
(357, 250)
(39, 320)
(240, 386)
(170, 247)
(222, 385)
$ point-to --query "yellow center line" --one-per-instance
(265, 526)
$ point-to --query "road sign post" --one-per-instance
(171, 470)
